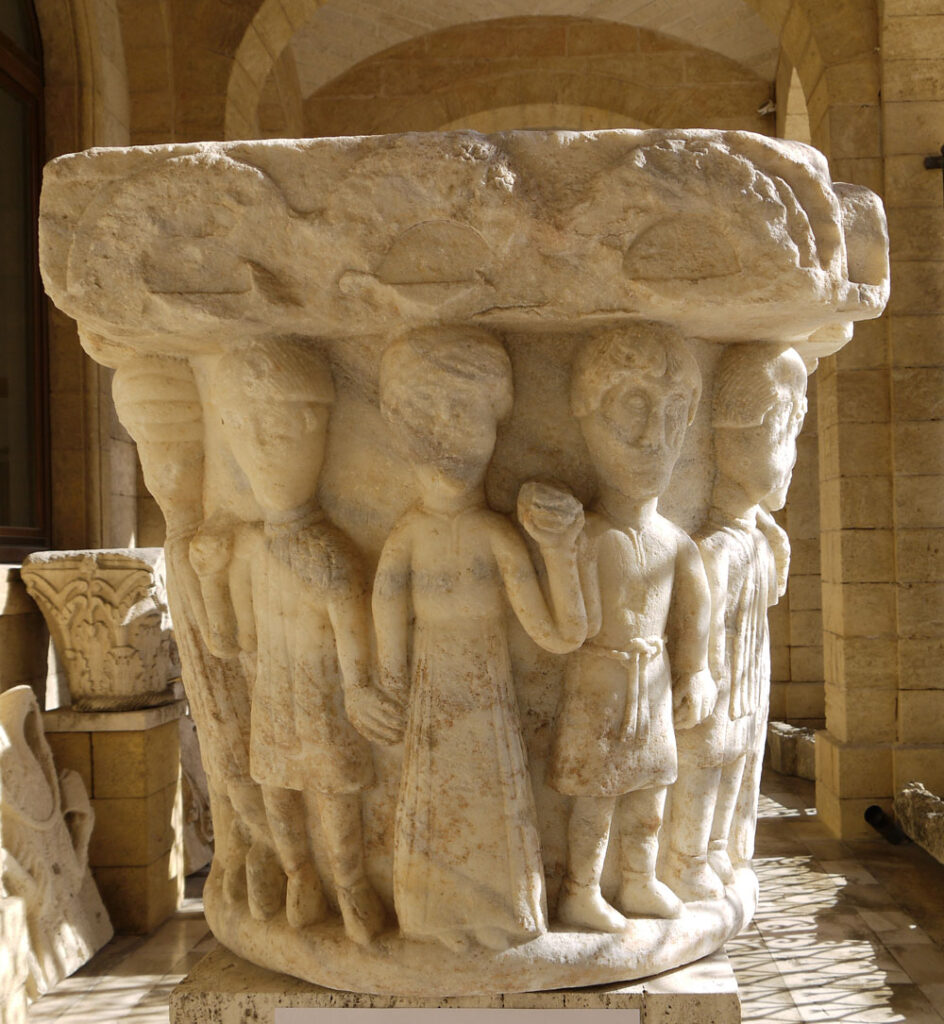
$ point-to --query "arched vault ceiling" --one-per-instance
(342, 33)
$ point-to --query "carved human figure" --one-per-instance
(309, 604)
(758, 409)
(158, 402)
(634, 391)
(467, 858)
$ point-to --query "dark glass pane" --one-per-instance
(18, 493)
(15, 24)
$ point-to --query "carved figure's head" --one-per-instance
(158, 402)
(635, 389)
(447, 389)
(274, 400)
(757, 412)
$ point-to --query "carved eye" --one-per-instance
(629, 410)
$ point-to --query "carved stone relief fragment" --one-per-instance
(468, 448)
(107, 612)
(45, 826)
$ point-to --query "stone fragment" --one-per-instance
(791, 750)
(45, 827)
(920, 813)
(107, 613)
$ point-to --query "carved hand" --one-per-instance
(375, 716)
(693, 699)
(551, 515)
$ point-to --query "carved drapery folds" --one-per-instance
(468, 448)
(107, 613)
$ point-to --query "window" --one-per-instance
(24, 502)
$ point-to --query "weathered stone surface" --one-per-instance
(107, 613)
(45, 827)
(225, 989)
(467, 448)
(920, 813)
(791, 750)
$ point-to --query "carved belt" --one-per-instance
(639, 652)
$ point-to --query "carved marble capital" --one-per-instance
(469, 448)
(108, 615)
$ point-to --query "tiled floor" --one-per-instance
(846, 932)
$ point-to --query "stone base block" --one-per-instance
(225, 989)
(790, 750)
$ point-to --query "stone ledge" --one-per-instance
(225, 989)
(140, 720)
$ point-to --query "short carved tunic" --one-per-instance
(301, 737)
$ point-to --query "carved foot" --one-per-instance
(265, 881)
(304, 898)
(362, 911)
(645, 896)
(585, 907)
(720, 861)
(233, 868)
(691, 878)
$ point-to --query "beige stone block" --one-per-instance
(854, 81)
(919, 501)
(924, 764)
(856, 131)
(845, 818)
(921, 716)
(73, 751)
(916, 37)
(804, 701)
(135, 764)
(917, 286)
(917, 233)
(864, 556)
(859, 609)
(133, 831)
(858, 502)
(780, 662)
(919, 555)
(854, 770)
(806, 628)
(863, 449)
(908, 183)
(806, 664)
(915, 340)
(863, 396)
(778, 701)
(14, 598)
(920, 660)
(804, 557)
(138, 899)
(869, 346)
(918, 393)
(862, 661)
(861, 715)
(921, 609)
(805, 593)
(919, 448)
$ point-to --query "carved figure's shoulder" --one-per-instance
(328, 559)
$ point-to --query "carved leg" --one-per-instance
(687, 868)
(304, 898)
(725, 807)
(588, 833)
(639, 818)
(361, 909)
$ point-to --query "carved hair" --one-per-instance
(622, 354)
(464, 358)
(157, 400)
(281, 370)
(752, 379)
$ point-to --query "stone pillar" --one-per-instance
(881, 471)
(130, 764)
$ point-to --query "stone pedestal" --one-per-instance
(130, 764)
(225, 989)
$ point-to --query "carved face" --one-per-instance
(280, 447)
(636, 434)
(761, 458)
(450, 429)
